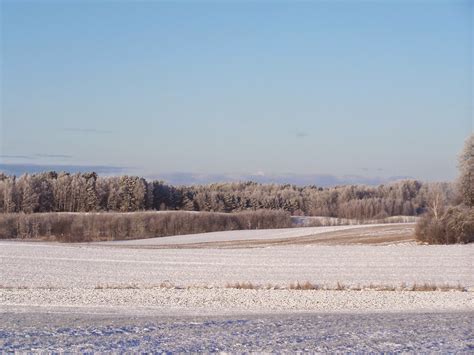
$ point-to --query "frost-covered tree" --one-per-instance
(436, 201)
(187, 202)
(10, 195)
(454, 224)
(30, 193)
(78, 192)
(62, 192)
(103, 191)
(125, 193)
(66, 192)
(113, 199)
(138, 194)
(150, 195)
(466, 169)
(91, 198)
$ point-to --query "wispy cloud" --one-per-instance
(60, 156)
(301, 134)
(14, 156)
(87, 130)
(35, 156)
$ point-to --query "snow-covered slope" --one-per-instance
(246, 235)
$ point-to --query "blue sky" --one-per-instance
(372, 89)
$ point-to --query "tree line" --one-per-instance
(88, 192)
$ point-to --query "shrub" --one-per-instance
(459, 225)
(430, 230)
(456, 225)
(86, 227)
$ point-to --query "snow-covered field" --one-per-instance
(212, 301)
(109, 274)
(187, 278)
(237, 235)
(331, 235)
(87, 266)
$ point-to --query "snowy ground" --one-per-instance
(237, 235)
(223, 301)
(361, 333)
(87, 266)
(109, 274)
(188, 278)
(372, 234)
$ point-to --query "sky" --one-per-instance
(208, 90)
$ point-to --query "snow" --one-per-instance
(128, 277)
(260, 333)
(66, 265)
(212, 301)
(245, 235)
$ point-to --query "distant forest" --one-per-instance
(64, 192)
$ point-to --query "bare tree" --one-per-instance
(456, 223)
(466, 169)
(436, 201)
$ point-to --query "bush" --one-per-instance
(459, 225)
(430, 230)
(86, 227)
(456, 225)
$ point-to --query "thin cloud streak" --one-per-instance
(87, 130)
(9, 156)
(35, 156)
(302, 135)
(62, 156)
